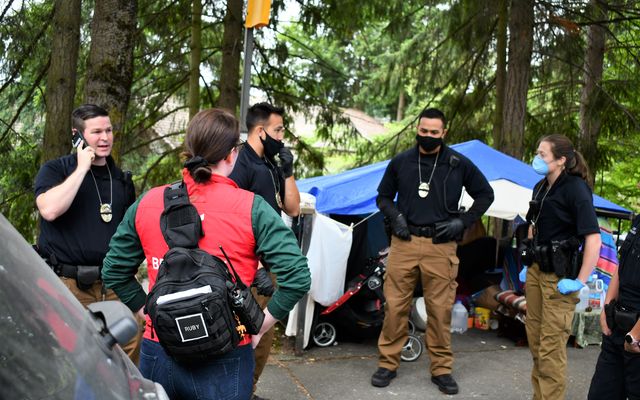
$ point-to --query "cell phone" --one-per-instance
(77, 139)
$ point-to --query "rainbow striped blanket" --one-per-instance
(608, 260)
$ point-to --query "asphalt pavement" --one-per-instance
(486, 366)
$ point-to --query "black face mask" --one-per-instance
(271, 146)
(428, 143)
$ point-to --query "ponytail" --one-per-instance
(578, 166)
(198, 169)
(211, 136)
(575, 164)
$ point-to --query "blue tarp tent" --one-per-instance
(353, 192)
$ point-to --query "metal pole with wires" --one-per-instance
(257, 17)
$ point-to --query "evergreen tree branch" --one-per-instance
(6, 8)
(28, 53)
(26, 100)
(156, 163)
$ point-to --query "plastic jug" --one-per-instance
(459, 317)
(595, 292)
(584, 299)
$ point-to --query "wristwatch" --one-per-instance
(631, 340)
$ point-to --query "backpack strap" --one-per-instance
(180, 223)
(238, 281)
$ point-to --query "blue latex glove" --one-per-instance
(523, 274)
(566, 286)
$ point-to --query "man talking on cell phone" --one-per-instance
(81, 198)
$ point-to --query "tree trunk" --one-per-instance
(501, 72)
(196, 49)
(61, 79)
(401, 105)
(590, 102)
(518, 75)
(231, 46)
(110, 65)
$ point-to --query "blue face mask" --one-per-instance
(540, 166)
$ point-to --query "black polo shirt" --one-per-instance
(629, 269)
(80, 236)
(402, 177)
(566, 211)
(258, 175)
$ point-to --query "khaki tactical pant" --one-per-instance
(94, 294)
(261, 352)
(437, 266)
(549, 317)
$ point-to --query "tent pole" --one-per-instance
(306, 219)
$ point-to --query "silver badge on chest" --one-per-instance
(423, 189)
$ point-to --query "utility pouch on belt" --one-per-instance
(565, 257)
(87, 276)
(527, 256)
(542, 257)
(624, 318)
(609, 313)
(560, 257)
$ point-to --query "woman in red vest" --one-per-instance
(243, 224)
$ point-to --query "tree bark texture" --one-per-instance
(501, 72)
(401, 105)
(194, 65)
(110, 65)
(518, 75)
(591, 99)
(61, 79)
(501, 77)
(231, 46)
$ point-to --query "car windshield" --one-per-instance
(50, 345)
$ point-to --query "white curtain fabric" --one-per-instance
(510, 201)
(328, 253)
(292, 321)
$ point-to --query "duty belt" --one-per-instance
(84, 275)
(66, 270)
(427, 231)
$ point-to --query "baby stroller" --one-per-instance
(359, 312)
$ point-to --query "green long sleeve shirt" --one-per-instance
(275, 244)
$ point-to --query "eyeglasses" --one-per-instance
(239, 144)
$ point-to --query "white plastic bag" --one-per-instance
(328, 254)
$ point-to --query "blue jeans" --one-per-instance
(227, 377)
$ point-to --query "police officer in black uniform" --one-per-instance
(265, 164)
(617, 374)
(265, 167)
(562, 220)
(426, 223)
(81, 198)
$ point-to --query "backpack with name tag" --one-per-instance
(191, 303)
